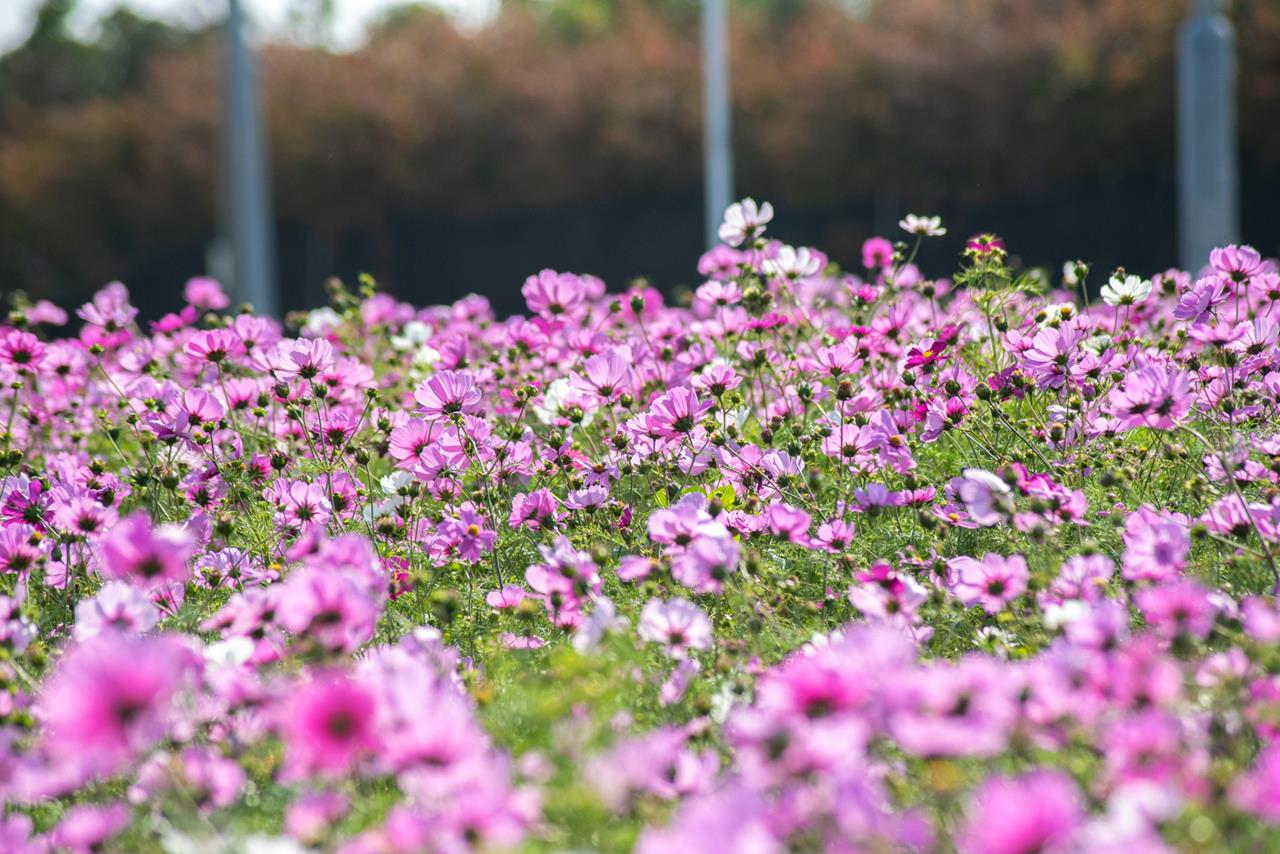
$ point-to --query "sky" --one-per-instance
(271, 16)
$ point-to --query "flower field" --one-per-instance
(808, 560)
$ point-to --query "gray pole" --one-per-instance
(248, 201)
(1208, 177)
(717, 149)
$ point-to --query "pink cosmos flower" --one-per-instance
(1258, 790)
(109, 699)
(705, 563)
(606, 376)
(306, 359)
(676, 413)
(214, 346)
(1154, 397)
(677, 624)
(992, 582)
(1052, 355)
(1261, 618)
(327, 607)
(21, 350)
(118, 606)
(17, 554)
(312, 813)
(961, 709)
(205, 293)
(328, 724)
(877, 253)
(1237, 263)
(508, 597)
(1038, 811)
(1197, 304)
(1156, 546)
(467, 536)
(46, 312)
(552, 294)
(299, 504)
(789, 523)
(719, 293)
(86, 828)
(110, 310)
(197, 406)
(538, 510)
(1083, 577)
(409, 442)
(135, 551)
(987, 499)
(1178, 607)
(717, 379)
(448, 393)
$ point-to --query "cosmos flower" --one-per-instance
(991, 582)
(327, 726)
(136, 551)
(927, 226)
(677, 624)
(110, 699)
(447, 393)
(1126, 290)
(744, 221)
(1038, 811)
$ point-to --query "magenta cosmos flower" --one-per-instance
(327, 726)
(1258, 791)
(205, 293)
(135, 551)
(22, 350)
(109, 699)
(1035, 812)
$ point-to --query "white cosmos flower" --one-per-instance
(1057, 313)
(396, 481)
(425, 356)
(928, 226)
(230, 652)
(556, 397)
(414, 334)
(744, 221)
(738, 417)
(320, 321)
(793, 263)
(1057, 615)
(1095, 344)
(1126, 290)
(990, 480)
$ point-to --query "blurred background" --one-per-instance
(460, 146)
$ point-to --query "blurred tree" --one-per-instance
(311, 21)
(402, 15)
(933, 104)
(52, 67)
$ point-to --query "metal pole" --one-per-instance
(1208, 172)
(717, 148)
(248, 209)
